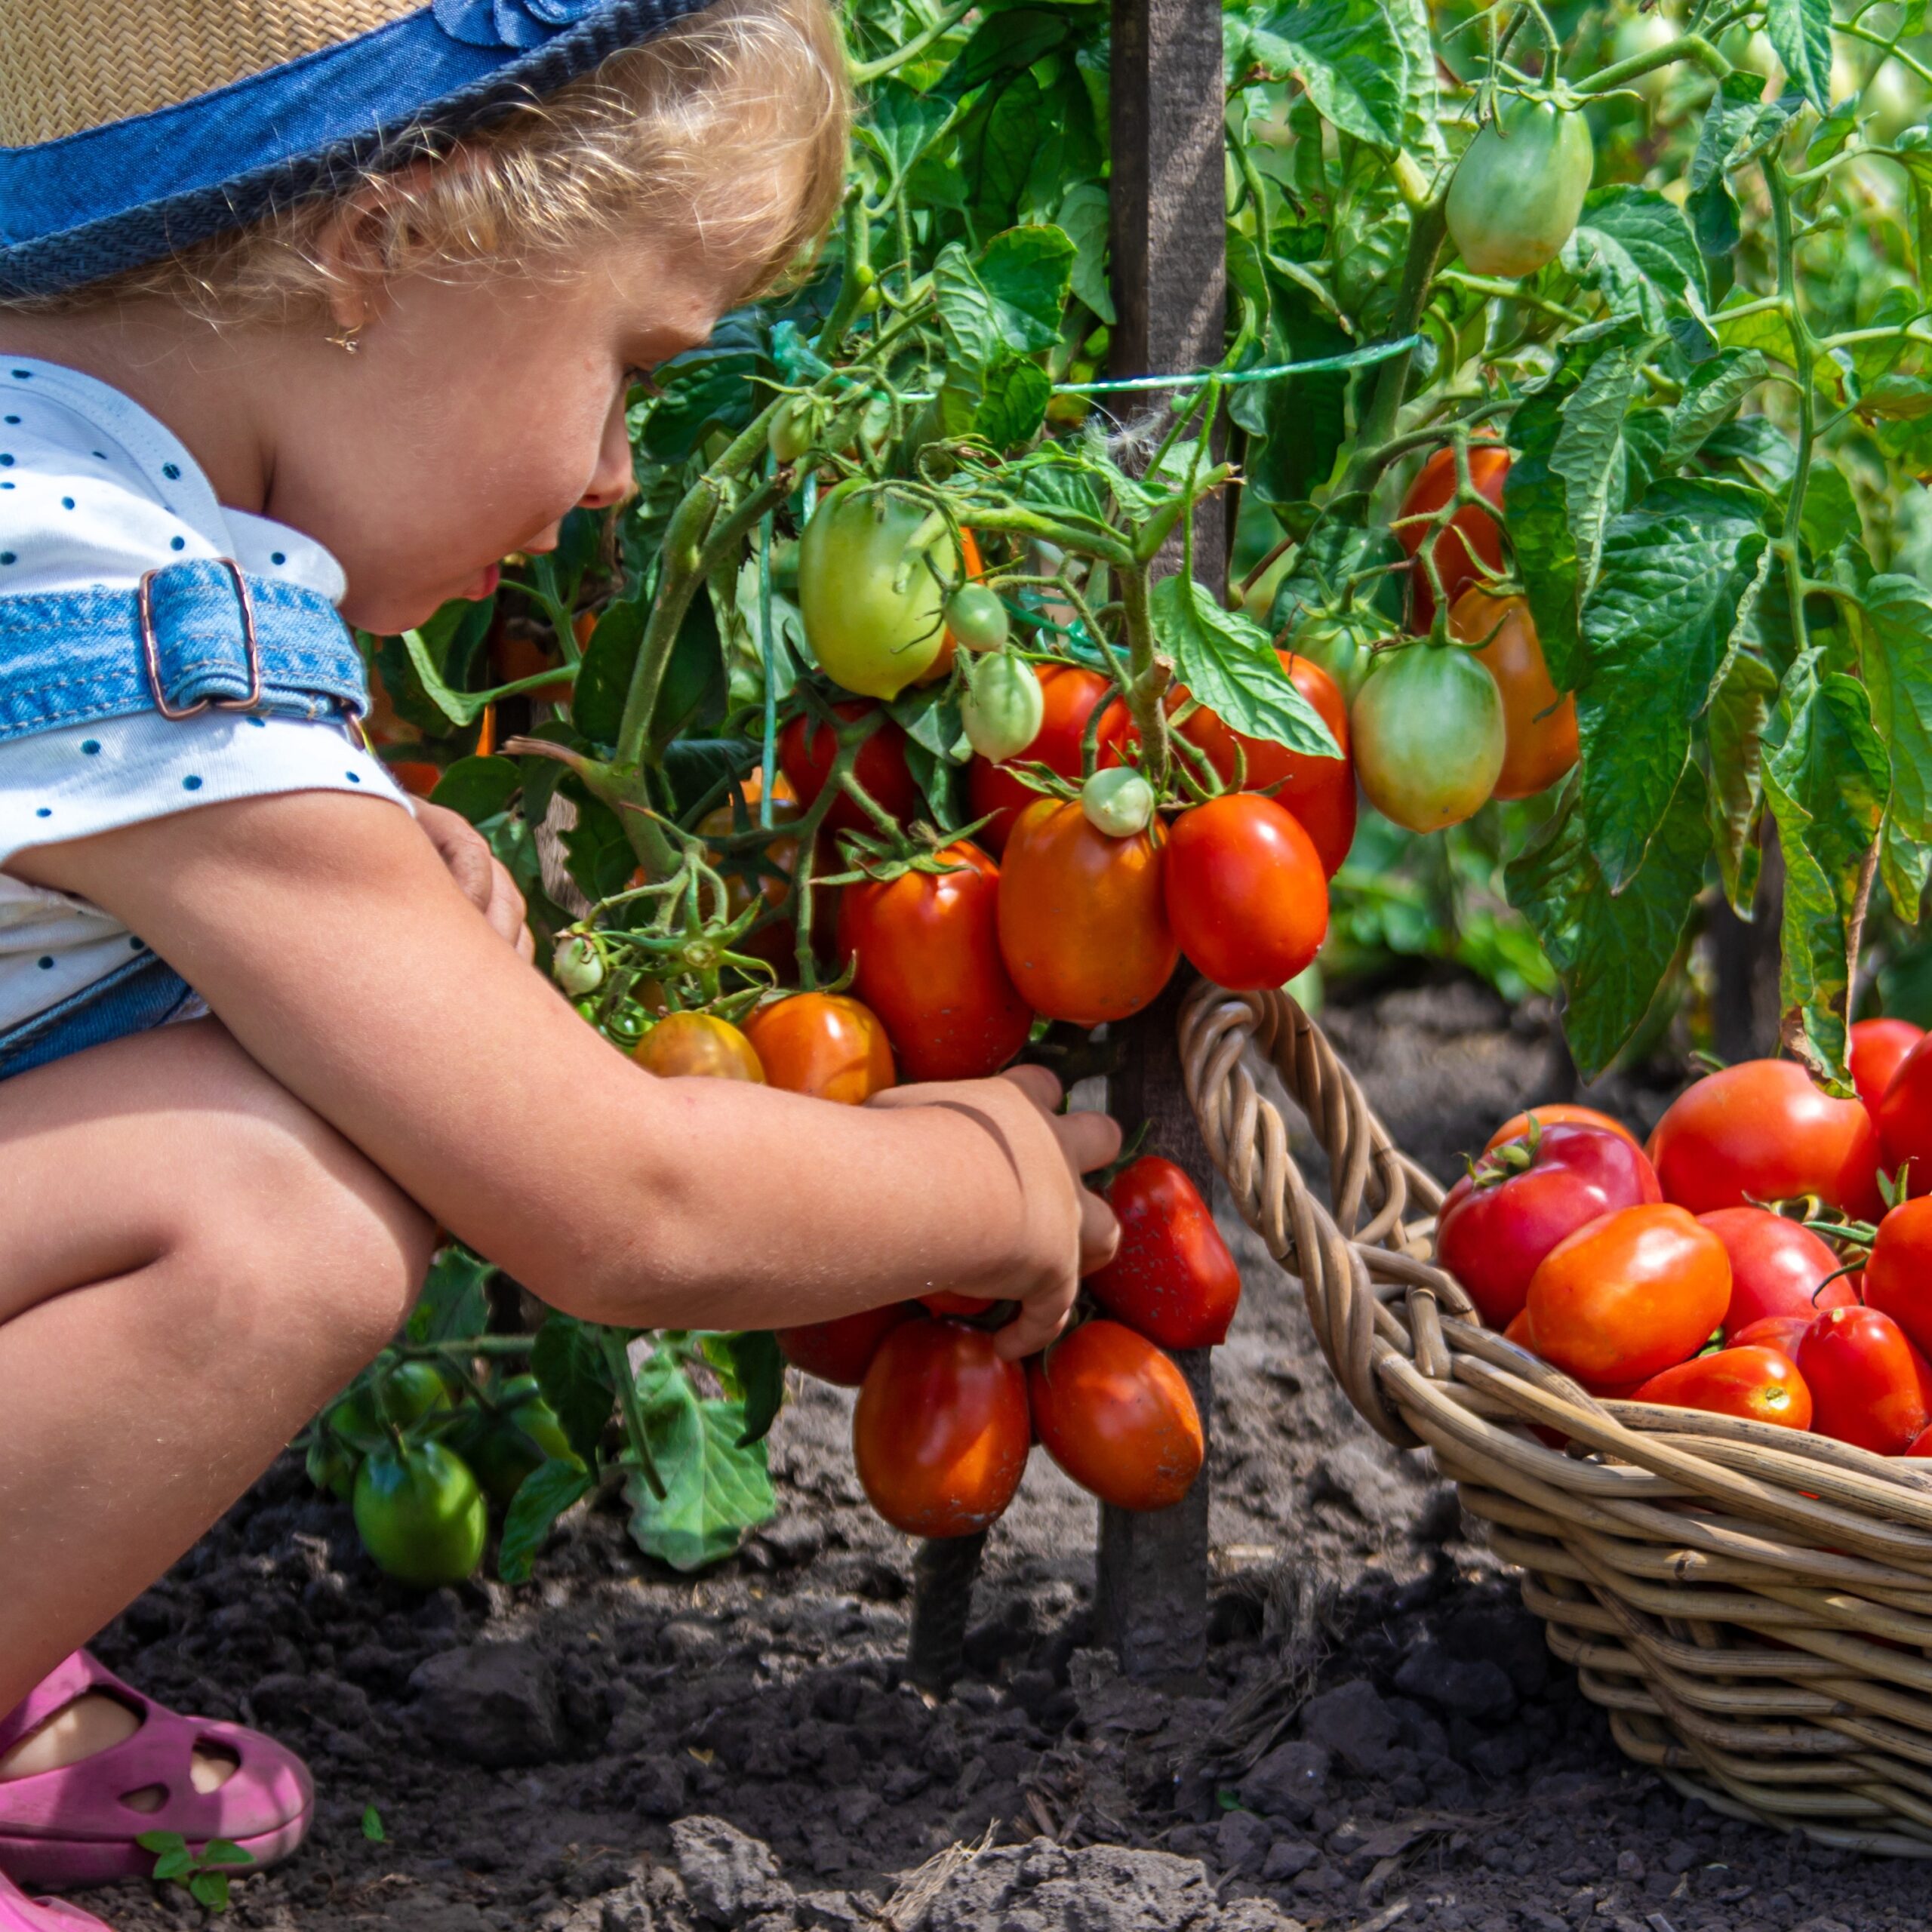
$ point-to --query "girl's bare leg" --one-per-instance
(191, 1263)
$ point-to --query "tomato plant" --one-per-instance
(1172, 1278)
(1083, 918)
(1467, 549)
(940, 1434)
(1504, 1216)
(1634, 1292)
(1117, 1416)
(1764, 1131)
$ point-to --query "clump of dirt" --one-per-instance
(1379, 1738)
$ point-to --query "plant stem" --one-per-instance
(1392, 386)
(616, 1345)
(1803, 345)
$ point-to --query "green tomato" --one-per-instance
(401, 1393)
(1643, 33)
(872, 578)
(420, 1514)
(1342, 646)
(1519, 188)
(523, 1435)
(332, 1464)
(577, 966)
(1427, 733)
(1118, 802)
(976, 617)
(793, 430)
(628, 1024)
(1004, 707)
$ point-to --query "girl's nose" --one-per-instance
(614, 479)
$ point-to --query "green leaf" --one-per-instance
(899, 125)
(694, 676)
(1679, 576)
(453, 1305)
(541, 1498)
(1005, 43)
(751, 1367)
(372, 1825)
(596, 849)
(597, 701)
(1027, 273)
(479, 788)
(1085, 216)
(1635, 248)
(1012, 404)
(1613, 949)
(226, 1852)
(568, 1362)
(1588, 454)
(1739, 714)
(1715, 390)
(715, 1489)
(1228, 661)
(1346, 55)
(1896, 656)
(1827, 780)
(1801, 36)
(1413, 23)
(1339, 549)
(210, 1889)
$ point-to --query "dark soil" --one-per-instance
(617, 1749)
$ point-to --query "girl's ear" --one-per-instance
(363, 241)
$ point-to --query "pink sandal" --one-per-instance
(19, 1913)
(74, 1827)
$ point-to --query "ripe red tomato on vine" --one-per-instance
(807, 749)
(826, 1045)
(1172, 1278)
(1470, 541)
(1247, 896)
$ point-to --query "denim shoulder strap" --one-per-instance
(197, 633)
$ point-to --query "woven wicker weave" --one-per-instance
(65, 66)
(1752, 1605)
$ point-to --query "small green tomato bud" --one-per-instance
(1003, 708)
(578, 966)
(1118, 802)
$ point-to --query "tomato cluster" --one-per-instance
(1666, 1273)
(943, 1425)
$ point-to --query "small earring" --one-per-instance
(347, 341)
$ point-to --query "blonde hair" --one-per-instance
(728, 132)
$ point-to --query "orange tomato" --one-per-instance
(687, 1045)
(1634, 1292)
(826, 1045)
(1538, 723)
(514, 656)
(1757, 1384)
(1083, 919)
(1472, 534)
(1781, 1332)
(1556, 1113)
(417, 776)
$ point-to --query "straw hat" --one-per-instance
(129, 128)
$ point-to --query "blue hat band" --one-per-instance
(121, 196)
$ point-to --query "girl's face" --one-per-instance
(472, 415)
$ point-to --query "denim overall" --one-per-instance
(199, 634)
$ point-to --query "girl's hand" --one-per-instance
(485, 879)
(1066, 1231)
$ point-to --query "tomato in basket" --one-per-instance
(1777, 1267)
(1869, 1386)
(1755, 1384)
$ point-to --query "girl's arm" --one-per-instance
(325, 932)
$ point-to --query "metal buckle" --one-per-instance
(150, 649)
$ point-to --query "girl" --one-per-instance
(307, 306)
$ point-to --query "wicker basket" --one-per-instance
(1753, 1606)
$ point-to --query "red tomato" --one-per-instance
(417, 776)
(1763, 1130)
(1760, 1385)
(1471, 533)
(1247, 896)
(1518, 1330)
(1557, 1113)
(1319, 792)
(823, 1045)
(1878, 1048)
(1629, 1294)
(1117, 1416)
(929, 965)
(1905, 1119)
(1172, 1278)
(940, 1434)
(1501, 1219)
(1869, 1386)
(1776, 1268)
(1083, 918)
(841, 1350)
(1071, 692)
(1921, 1444)
(1782, 1332)
(1898, 1278)
(807, 748)
(945, 1301)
